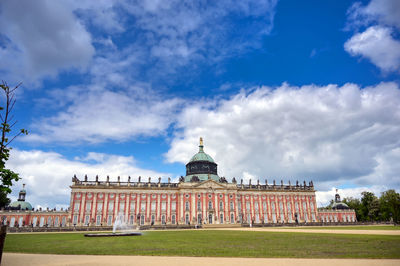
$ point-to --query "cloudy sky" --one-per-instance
(287, 90)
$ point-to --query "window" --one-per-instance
(210, 204)
(282, 218)
(274, 218)
(34, 221)
(153, 206)
(99, 206)
(142, 220)
(20, 221)
(187, 219)
(273, 206)
(187, 205)
(133, 206)
(163, 206)
(312, 207)
(232, 218)
(239, 206)
(199, 219)
(143, 206)
(98, 220)
(49, 222)
(231, 205)
(173, 206)
(221, 218)
(173, 219)
(163, 219)
(256, 205)
(12, 222)
(153, 219)
(265, 206)
(56, 221)
(41, 223)
(131, 219)
(109, 220)
(221, 206)
(75, 220)
(265, 218)
(63, 222)
(313, 217)
(122, 206)
(76, 206)
(199, 205)
(88, 206)
(86, 220)
(247, 206)
(257, 218)
(111, 206)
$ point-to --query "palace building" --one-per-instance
(200, 197)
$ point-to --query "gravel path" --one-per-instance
(13, 259)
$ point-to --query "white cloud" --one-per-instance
(377, 42)
(377, 45)
(41, 38)
(331, 135)
(48, 174)
(96, 114)
(325, 197)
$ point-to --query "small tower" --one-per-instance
(337, 197)
(22, 193)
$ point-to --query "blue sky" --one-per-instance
(278, 89)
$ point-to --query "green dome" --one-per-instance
(201, 156)
(24, 205)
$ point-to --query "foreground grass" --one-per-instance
(350, 227)
(212, 243)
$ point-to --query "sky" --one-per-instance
(279, 90)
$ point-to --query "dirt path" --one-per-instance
(323, 231)
(13, 259)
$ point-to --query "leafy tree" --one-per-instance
(355, 204)
(390, 206)
(7, 176)
(369, 206)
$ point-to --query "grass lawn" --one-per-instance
(350, 227)
(212, 243)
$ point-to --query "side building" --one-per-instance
(21, 214)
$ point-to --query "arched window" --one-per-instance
(221, 218)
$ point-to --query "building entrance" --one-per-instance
(210, 218)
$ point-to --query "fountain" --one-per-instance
(121, 225)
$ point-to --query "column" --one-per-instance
(94, 207)
(81, 216)
(193, 207)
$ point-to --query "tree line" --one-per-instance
(370, 208)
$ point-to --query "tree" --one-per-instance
(369, 206)
(390, 206)
(7, 176)
(355, 204)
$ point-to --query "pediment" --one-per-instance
(210, 184)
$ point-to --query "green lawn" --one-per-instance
(350, 227)
(212, 243)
